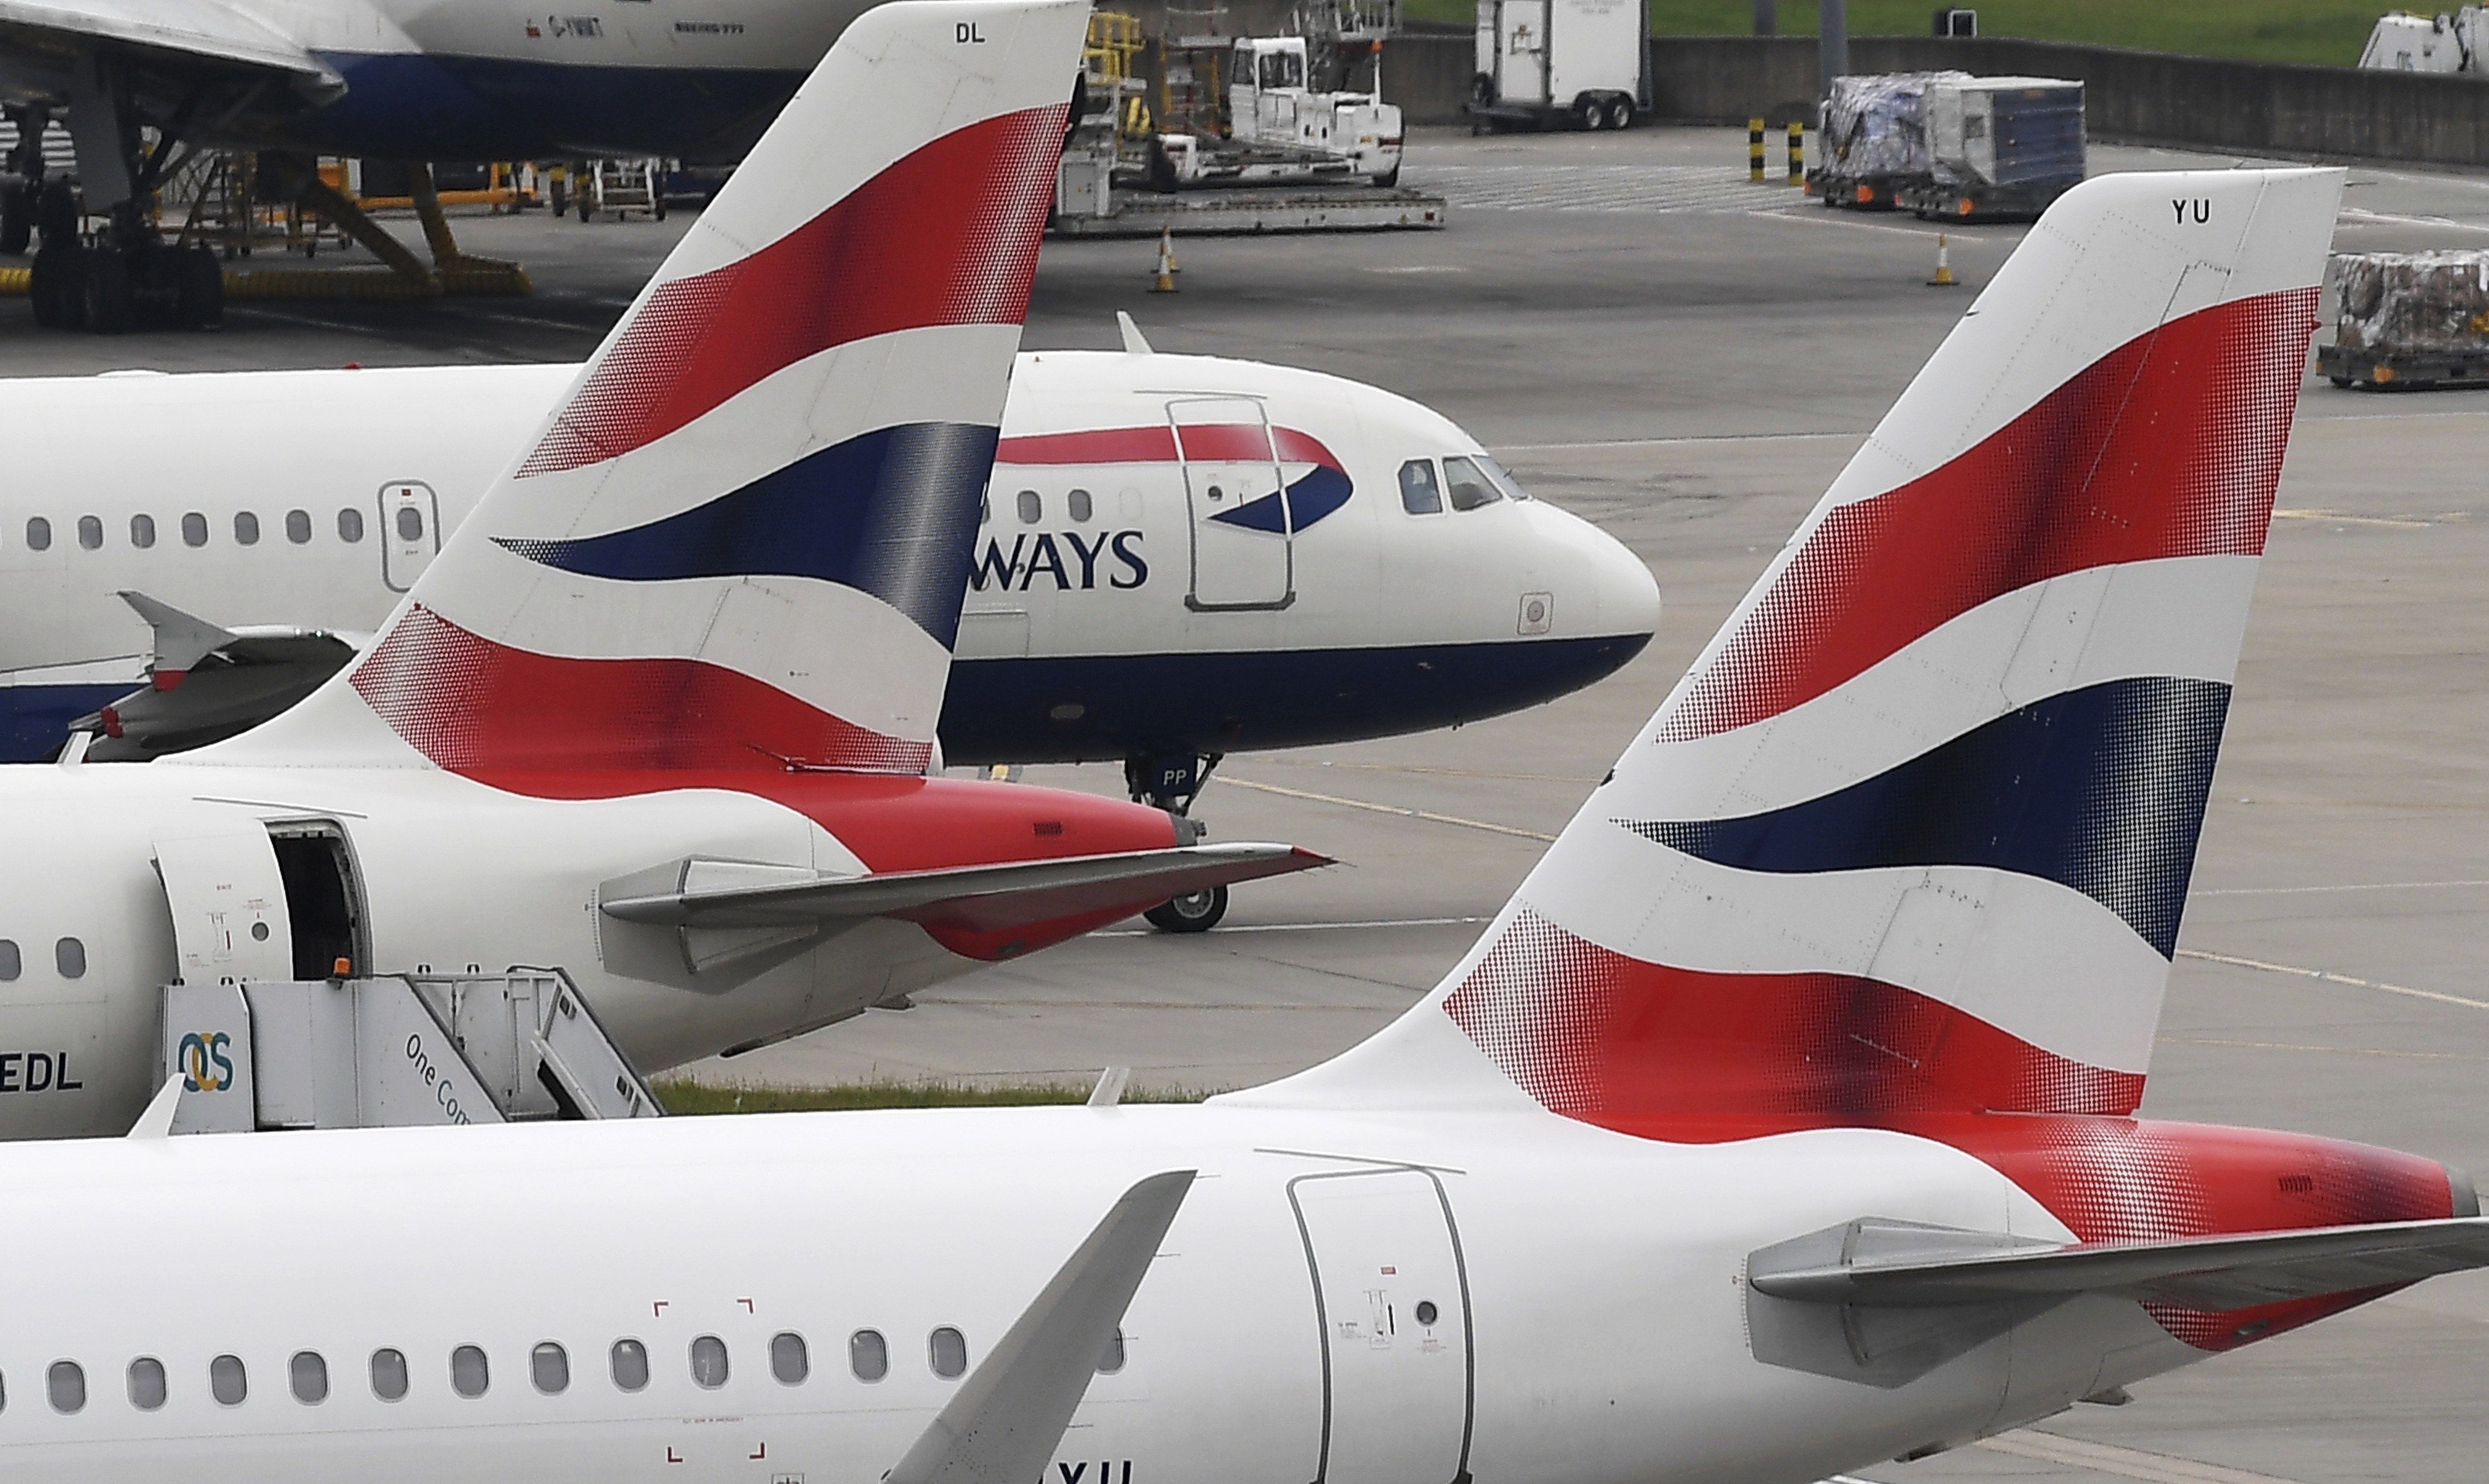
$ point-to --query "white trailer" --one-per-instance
(2457, 41)
(1282, 131)
(1547, 62)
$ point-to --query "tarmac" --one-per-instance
(1688, 358)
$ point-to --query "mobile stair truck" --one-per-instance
(1546, 63)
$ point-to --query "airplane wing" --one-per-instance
(169, 38)
(697, 893)
(2215, 1274)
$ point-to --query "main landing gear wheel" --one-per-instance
(1197, 912)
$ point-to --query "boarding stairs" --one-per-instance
(392, 1050)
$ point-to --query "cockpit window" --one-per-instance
(1503, 478)
(1419, 494)
(1469, 484)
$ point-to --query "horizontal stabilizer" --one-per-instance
(983, 898)
(1899, 1264)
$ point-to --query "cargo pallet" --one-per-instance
(1936, 201)
(2402, 370)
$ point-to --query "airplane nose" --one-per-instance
(1614, 591)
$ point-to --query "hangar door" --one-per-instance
(1242, 531)
(1391, 1297)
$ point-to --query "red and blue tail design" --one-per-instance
(743, 540)
(1913, 836)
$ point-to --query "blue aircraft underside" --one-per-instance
(406, 105)
(1019, 710)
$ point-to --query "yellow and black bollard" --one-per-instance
(1796, 153)
(1755, 150)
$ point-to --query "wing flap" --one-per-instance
(2215, 1274)
(979, 898)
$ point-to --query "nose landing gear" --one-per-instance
(1172, 782)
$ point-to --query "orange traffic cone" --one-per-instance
(1944, 279)
(1165, 283)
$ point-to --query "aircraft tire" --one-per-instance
(16, 218)
(199, 288)
(1198, 912)
(108, 297)
(55, 285)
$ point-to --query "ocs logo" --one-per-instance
(205, 1066)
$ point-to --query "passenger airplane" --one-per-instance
(1782, 1123)
(1143, 590)
(659, 714)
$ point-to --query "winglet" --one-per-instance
(1133, 344)
(156, 1122)
(1007, 1419)
(181, 640)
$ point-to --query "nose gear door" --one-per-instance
(1242, 531)
(1392, 1297)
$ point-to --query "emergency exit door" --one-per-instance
(1392, 1297)
(410, 531)
(1243, 529)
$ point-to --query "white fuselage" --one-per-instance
(1588, 1318)
(1110, 613)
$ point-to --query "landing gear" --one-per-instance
(123, 274)
(1171, 781)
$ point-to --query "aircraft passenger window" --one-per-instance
(409, 524)
(867, 1355)
(708, 1362)
(350, 524)
(549, 1368)
(1419, 494)
(308, 1374)
(69, 955)
(11, 965)
(142, 531)
(630, 1365)
(1078, 500)
(39, 533)
(90, 532)
(297, 526)
(245, 527)
(66, 1381)
(194, 529)
(1468, 485)
(1032, 508)
(788, 1360)
(227, 1382)
(147, 1384)
(1113, 1360)
(948, 1351)
(471, 1375)
(388, 1375)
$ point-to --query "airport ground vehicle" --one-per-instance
(1783, 1122)
(2454, 41)
(1546, 61)
(660, 715)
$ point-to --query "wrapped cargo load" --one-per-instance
(2413, 318)
(1874, 129)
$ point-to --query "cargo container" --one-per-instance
(1547, 63)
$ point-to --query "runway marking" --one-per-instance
(2125, 1462)
(1608, 189)
(2348, 886)
(2360, 216)
(1432, 771)
(1385, 808)
(2331, 978)
(1835, 219)
(1669, 443)
(2288, 1045)
(2338, 518)
(1388, 921)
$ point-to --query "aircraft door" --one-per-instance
(1391, 1297)
(1242, 531)
(228, 900)
(410, 531)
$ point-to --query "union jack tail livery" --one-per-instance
(742, 540)
(1914, 833)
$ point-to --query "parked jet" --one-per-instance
(1781, 1123)
(1179, 557)
(659, 714)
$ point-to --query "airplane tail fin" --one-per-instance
(742, 539)
(1915, 831)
